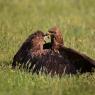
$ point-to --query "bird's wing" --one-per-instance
(81, 61)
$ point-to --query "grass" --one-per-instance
(20, 18)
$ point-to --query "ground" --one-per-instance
(20, 18)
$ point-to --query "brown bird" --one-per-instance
(56, 38)
(33, 43)
(47, 61)
(32, 56)
(51, 58)
(37, 59)
(81, 62)
(52, 63)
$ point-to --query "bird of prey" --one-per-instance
(33, 56)
(33, 43)
(51, 58)
(81, 62)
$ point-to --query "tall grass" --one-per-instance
(20, 18)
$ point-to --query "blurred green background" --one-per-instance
(20, 18)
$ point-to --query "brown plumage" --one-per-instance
(36, 59)
(52, 63)
(56, 38)
(51, 58)
(82, 63)
(47, 60)
(33, 42)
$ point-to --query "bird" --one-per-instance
(32, 43)
(33, 57)
(51, 58)
(81, 62)
(55, 37)
(46, 60)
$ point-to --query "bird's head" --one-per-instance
(38, 38)
(56, 36)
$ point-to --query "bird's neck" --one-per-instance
(57, 42)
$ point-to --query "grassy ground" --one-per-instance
(19, 18)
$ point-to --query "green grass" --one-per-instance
(20, 18)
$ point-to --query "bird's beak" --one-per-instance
(46, 37)
(48, 33)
